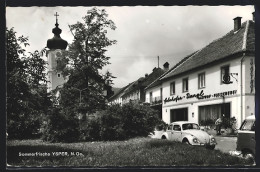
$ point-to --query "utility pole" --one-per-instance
(79, 93)
(79, 115)
(158, 61)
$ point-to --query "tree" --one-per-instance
(83, 61)
(108, 78)
(26, 96)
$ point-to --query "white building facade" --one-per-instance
(214, 98)
(55, 78)
(216, 80)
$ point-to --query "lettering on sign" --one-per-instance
(199, 96)
(251, 75)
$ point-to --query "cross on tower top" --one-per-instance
(56, 14)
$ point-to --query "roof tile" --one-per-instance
(221, 48)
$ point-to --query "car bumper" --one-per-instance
(205, 144)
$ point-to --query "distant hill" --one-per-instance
(115, 89)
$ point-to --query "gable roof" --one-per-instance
(144, 82)
(120, 91)
(158, 80)
(115, 90)
(230, 44)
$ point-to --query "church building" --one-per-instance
(56, 45)
(55, 79)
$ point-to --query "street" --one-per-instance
(226, 144)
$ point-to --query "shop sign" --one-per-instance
(251, 75)
(199, 96)
(226, 78)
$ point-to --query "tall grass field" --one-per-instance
(134, 153)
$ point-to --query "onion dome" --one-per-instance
(57, 42)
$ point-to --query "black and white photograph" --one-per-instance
(130, 86)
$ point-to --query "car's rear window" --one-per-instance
(248, 125)
(190, 126)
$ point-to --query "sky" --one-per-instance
(143, 33)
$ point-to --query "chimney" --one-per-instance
(166, 66)
(253, 13)
(146, 75)
(237, 23)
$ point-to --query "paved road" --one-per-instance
(226, 144)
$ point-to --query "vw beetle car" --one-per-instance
(189, 133)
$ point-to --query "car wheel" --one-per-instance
(186, 141)
(248, 155)
(211, 147)
(163, 137)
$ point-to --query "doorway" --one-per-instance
(179, 114)
(213, 112)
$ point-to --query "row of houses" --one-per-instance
(135, 91)
(215, 80)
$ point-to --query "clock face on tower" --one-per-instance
(58, 54)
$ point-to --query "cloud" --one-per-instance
(142, 33)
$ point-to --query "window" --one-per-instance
(224, 72)
(172, 88)
(185, 85)
(190, 126)
(248, 126)
(177, 128)
(151, 97)
(58, 75)
(201, 81)
(169, 127)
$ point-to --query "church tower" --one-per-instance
(56, 45)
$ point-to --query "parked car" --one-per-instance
(246, 137)
(189, 133)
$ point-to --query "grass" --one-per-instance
(133, 152)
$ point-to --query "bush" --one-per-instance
(91, 130)
(161, 126)
(139, 120)
(112, 124)
(23, 126)
(60, 127)
(122, 122)
(115, 123)
(230, 123)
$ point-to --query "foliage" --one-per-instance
(27, 100)
(112, 124)
(84, 60)
(122, 122)
(60, 127)
(207, 122)
(83, 92)
(229, 122)
(161, 126)
(134, 152)
(91, 131)
(139, 120)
